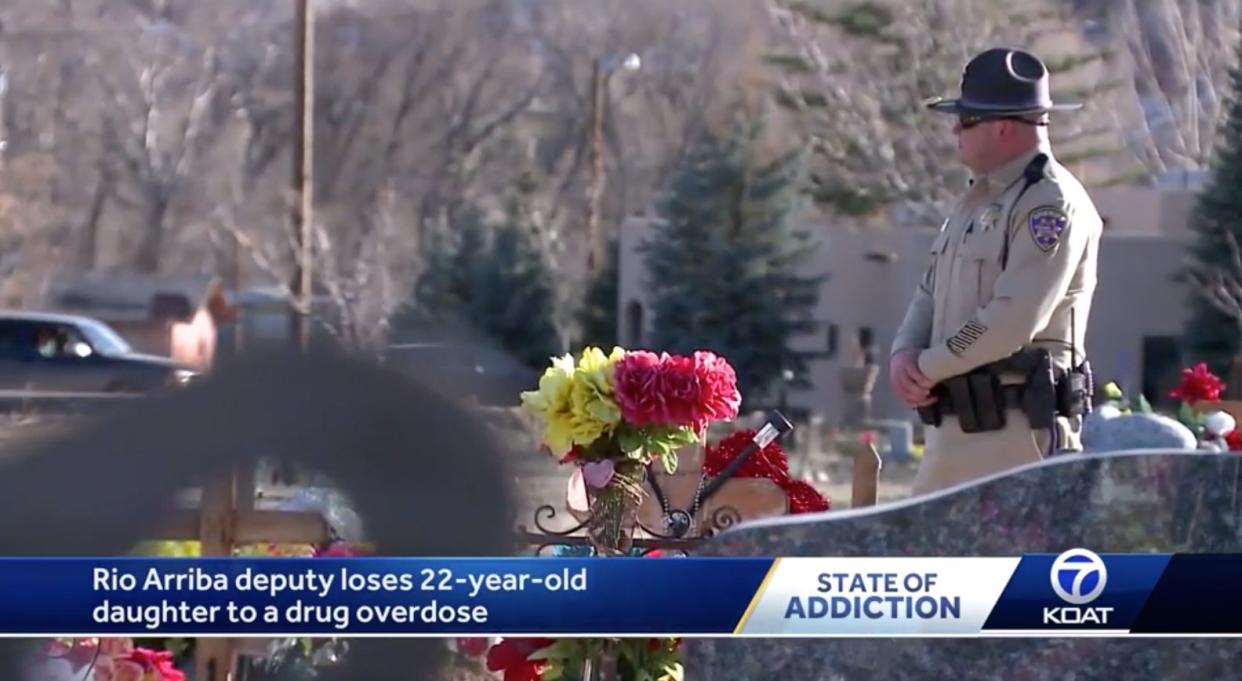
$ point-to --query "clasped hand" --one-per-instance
(909, 383)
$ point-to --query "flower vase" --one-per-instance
(615, 506)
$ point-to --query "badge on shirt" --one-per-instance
(1047, 224)
(989, 217)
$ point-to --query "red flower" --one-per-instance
(158, 661)
(718, 383)
(472, 647)
(658, 644)
(1198, 385)
(634, 383)
(1234, 439)
(512, 655)
(677, 387)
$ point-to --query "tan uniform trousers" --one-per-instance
(951, 457)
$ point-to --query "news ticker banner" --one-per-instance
(1074, 593)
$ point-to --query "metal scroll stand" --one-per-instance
(678, 522)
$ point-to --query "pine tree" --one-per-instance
(489, 280)
(723, 263)
(1211, 334)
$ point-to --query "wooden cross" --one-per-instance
(226, 518)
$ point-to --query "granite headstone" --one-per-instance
(1150, 501)
(1108, 430)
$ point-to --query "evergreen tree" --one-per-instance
(1212, 335)
(598, 316)
(723, 263)
(489, 280)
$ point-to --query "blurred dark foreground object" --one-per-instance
(474, 371)
(426, 479)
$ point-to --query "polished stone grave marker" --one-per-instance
(1127, 502)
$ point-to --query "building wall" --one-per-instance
(872, 274)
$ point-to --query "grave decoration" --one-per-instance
(615, 415)
(1212, 421)
(656, 659)
(163, 659)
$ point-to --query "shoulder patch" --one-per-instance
(1046, 225)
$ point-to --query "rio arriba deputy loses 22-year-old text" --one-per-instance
(322, 583)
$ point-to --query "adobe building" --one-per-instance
(1134, 328)
(177, 316)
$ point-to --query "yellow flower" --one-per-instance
(593, 407)
(1112, 391)
(552, 403)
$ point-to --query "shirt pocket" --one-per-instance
(935, 258)
(979, 257)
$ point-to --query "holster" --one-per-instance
(1076, 391)
(977, 399)
(980, 401)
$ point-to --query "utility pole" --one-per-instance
(601, 70)
(302, 214)
(595, 258)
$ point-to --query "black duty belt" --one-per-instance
(1012, 396)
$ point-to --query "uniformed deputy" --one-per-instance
(991, 348)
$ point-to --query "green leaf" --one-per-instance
(673, 672)
(1187, 415)
(1143, 405)
(563, 650)
(670, 463)
(629, 440)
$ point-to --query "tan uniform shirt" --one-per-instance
(969, 310)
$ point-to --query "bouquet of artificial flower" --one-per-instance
(615, 414)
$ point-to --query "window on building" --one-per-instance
(830, 348)
(866, 344)
(634, 323)
(1162, 369)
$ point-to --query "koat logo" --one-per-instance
(1078, 578)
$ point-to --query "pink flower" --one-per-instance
(635, 386)
(337, 549)
(147, 665)
(720, 399)
(678, 386)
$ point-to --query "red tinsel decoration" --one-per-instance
(770, 463)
